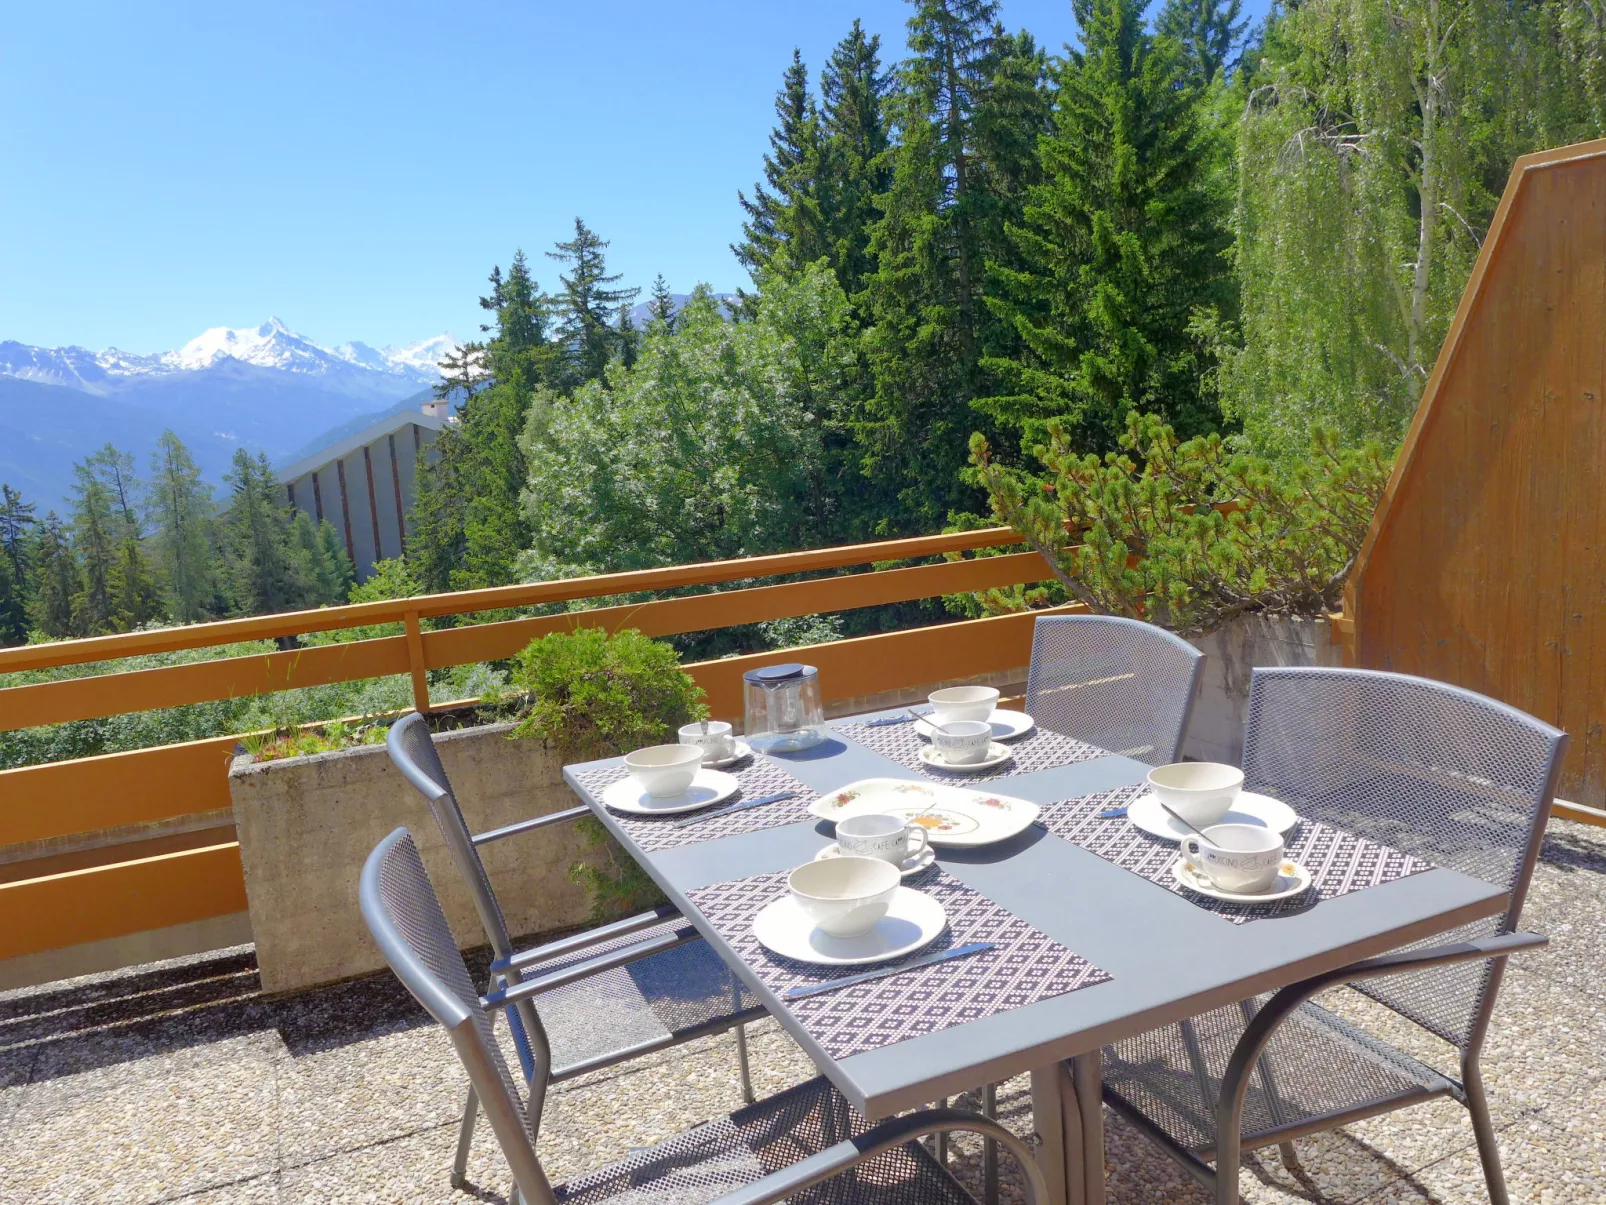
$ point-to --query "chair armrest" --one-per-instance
(529, 826)
(878, 1140)
(591, 937)
(531, 988)
(1415, 960)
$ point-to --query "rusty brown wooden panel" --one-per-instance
(704, 612)
(174, 685)
(135, 787)
(1485, 564)
(324, 619)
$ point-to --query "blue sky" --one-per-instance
(357, 168)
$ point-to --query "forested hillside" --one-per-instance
(1251, 231)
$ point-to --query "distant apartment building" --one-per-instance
(365, 483)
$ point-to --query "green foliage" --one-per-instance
(790, 210)
(592, 694)
(329, 572)
(661, 306)
(710, 446)
(1375, 138)
(326, 738)
(264, 566)
(1121, 246)
(968, 106)
(1150, 542)
(53, 579)
(1207, 32)
(16, 517)
(586, 306)
(178, 506)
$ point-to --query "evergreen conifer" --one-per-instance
(178, 505)
(262, 560)
(585, 307)
(53, 579)
(1121, 247)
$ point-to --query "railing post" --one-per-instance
(415, 660)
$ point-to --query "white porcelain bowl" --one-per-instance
(962, 703)
(1198, 791)
(845, 896)
(664, 770)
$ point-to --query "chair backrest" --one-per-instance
(404, 915)
(412, 749)
(1120, 684)
(1459, 780)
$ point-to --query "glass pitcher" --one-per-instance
(783, 708)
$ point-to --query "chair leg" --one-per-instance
(942, 1137)
(465, 1136)
(743, 1068)
(1483, 1129)
(1290, 1156)
(989, 1148)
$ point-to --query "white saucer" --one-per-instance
(951, 815)
(1293, 879)
(996, 755)
(1007, 725)
(913, 919)
(910, 865)
(743, 749)
(1146, 813)
(709, 787)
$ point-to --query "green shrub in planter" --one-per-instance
(593, 695)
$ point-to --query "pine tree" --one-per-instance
(97, 532)
(1208, 33)
(329, 571)
(1123, 245)
(587, 305)
(16, 516)
(53, 579)
(467, 529)
(13, 606)
(115, 469)
(629, 337)
(926, 330)
(262, 561)
(857, 133)
(136, 596)
(661, 304)
(790, 209)
(178, 506)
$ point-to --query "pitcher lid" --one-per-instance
(774, 675)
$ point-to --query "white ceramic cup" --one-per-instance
(961, 741)
(844, 897)
(1200, 792)
(885, 837)
(1241, 858)
(962, 703)
(718, 743)
(664, 770)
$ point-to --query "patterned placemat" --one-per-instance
(758, 776)
(1339, 862)
(1026, 966)
(1037, 750)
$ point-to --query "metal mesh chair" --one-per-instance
(1120, 684)
(1450, 776)
(803, 1145)
(605, 996)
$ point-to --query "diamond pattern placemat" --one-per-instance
(1339, 862)
(1037, 750)
(1026, 966)
(758, 775)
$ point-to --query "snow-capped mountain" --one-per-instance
(265, 388)
(348, 368)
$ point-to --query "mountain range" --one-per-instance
(265, 388)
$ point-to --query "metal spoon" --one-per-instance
(1180, 820)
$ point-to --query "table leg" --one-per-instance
(1068, 1114)
(1087, 1078)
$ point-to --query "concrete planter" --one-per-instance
(1216, 731)
(306, 824)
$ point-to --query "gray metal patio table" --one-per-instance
(1168, 959)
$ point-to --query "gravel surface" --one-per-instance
(179, 1082)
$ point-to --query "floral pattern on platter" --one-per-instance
(962, 817)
